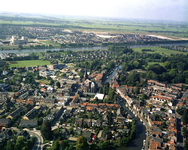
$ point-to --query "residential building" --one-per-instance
(28, 123)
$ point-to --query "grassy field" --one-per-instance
(152, 63)
(162, 51)
(29, 63)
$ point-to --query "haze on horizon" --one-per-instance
(167, 10)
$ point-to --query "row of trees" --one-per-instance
(32, 56)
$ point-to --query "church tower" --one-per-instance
(85, 76)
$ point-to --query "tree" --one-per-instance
(71, 130)
(81, 143)
(46, 130)
(115, 114)
(51, 82)
(180, 110)
(19, 143)
(137, 90)
(90, 115)
(185, 117)
(63, 144)
(9, 145)
(58, 84)
(100, 90)
(55, 145)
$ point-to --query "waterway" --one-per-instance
(112, 75)
(80, 48)
(137, 142)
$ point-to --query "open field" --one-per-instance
(152, 63)
(169, 29)
(29, 63)
(162, 51)
(43, 81)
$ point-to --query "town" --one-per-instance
(68, 100)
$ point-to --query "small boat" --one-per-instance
(141, 120)
(144, 142)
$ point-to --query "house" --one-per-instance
(15, 113)
(156, 131)
(124, 131)
(88, 122)
(24, 133)
(104, 124)
(105, 117)
(31, 113)
(46, 73)
(64, 133)
(4, 87)
(55, 66)
(102, 135)
(4, 122)
(150, 118)
(79, 121)
(78, 131)
(157, 123)
(29, 123)
(96, 123)
(99, 96)
(87, 134)
(4, 72)
(6, 134)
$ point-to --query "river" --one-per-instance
(137, 142)
(80, 48)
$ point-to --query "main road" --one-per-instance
(38, 138)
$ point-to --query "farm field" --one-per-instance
(162, 51)
(28, 63)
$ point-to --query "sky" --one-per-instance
(171, 10)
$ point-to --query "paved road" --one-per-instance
(38, 140)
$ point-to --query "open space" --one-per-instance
(29, 63)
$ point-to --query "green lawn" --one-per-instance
(29, 63)
(159, 50)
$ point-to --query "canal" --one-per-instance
(137, 142)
